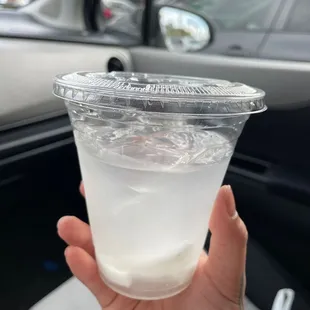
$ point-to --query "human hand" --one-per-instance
(219, 281)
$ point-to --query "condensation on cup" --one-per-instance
(153, 151)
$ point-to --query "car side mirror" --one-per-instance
(182, 30)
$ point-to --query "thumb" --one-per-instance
(227, 254)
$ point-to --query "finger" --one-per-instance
(82, 189)
(84, 267)
(227, 254)
(77, 233)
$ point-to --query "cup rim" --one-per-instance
(154, 93)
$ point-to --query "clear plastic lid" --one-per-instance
(159, 93)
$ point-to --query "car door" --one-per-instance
(270, 170)
(290, 38)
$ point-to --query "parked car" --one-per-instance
(39, 170)
(264, 29)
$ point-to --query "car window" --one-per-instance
(250, 15)
(299, 20)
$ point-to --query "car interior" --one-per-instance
(39, 169)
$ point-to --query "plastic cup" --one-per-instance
(153, 152)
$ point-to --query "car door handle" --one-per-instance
(235, 47)
(237, 50)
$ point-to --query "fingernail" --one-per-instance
(62, 220)
(230, 201)
(59, 223)
(82, 189)
(67, 249)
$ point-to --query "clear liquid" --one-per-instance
(149, 221)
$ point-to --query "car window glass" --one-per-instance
(299, 20)
(247, 15)
(122, 16)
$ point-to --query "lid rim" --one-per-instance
(96, 89)
(188, 115)
(205, 98)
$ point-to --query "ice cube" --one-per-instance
(114, 275)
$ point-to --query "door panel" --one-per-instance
(26, 91)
